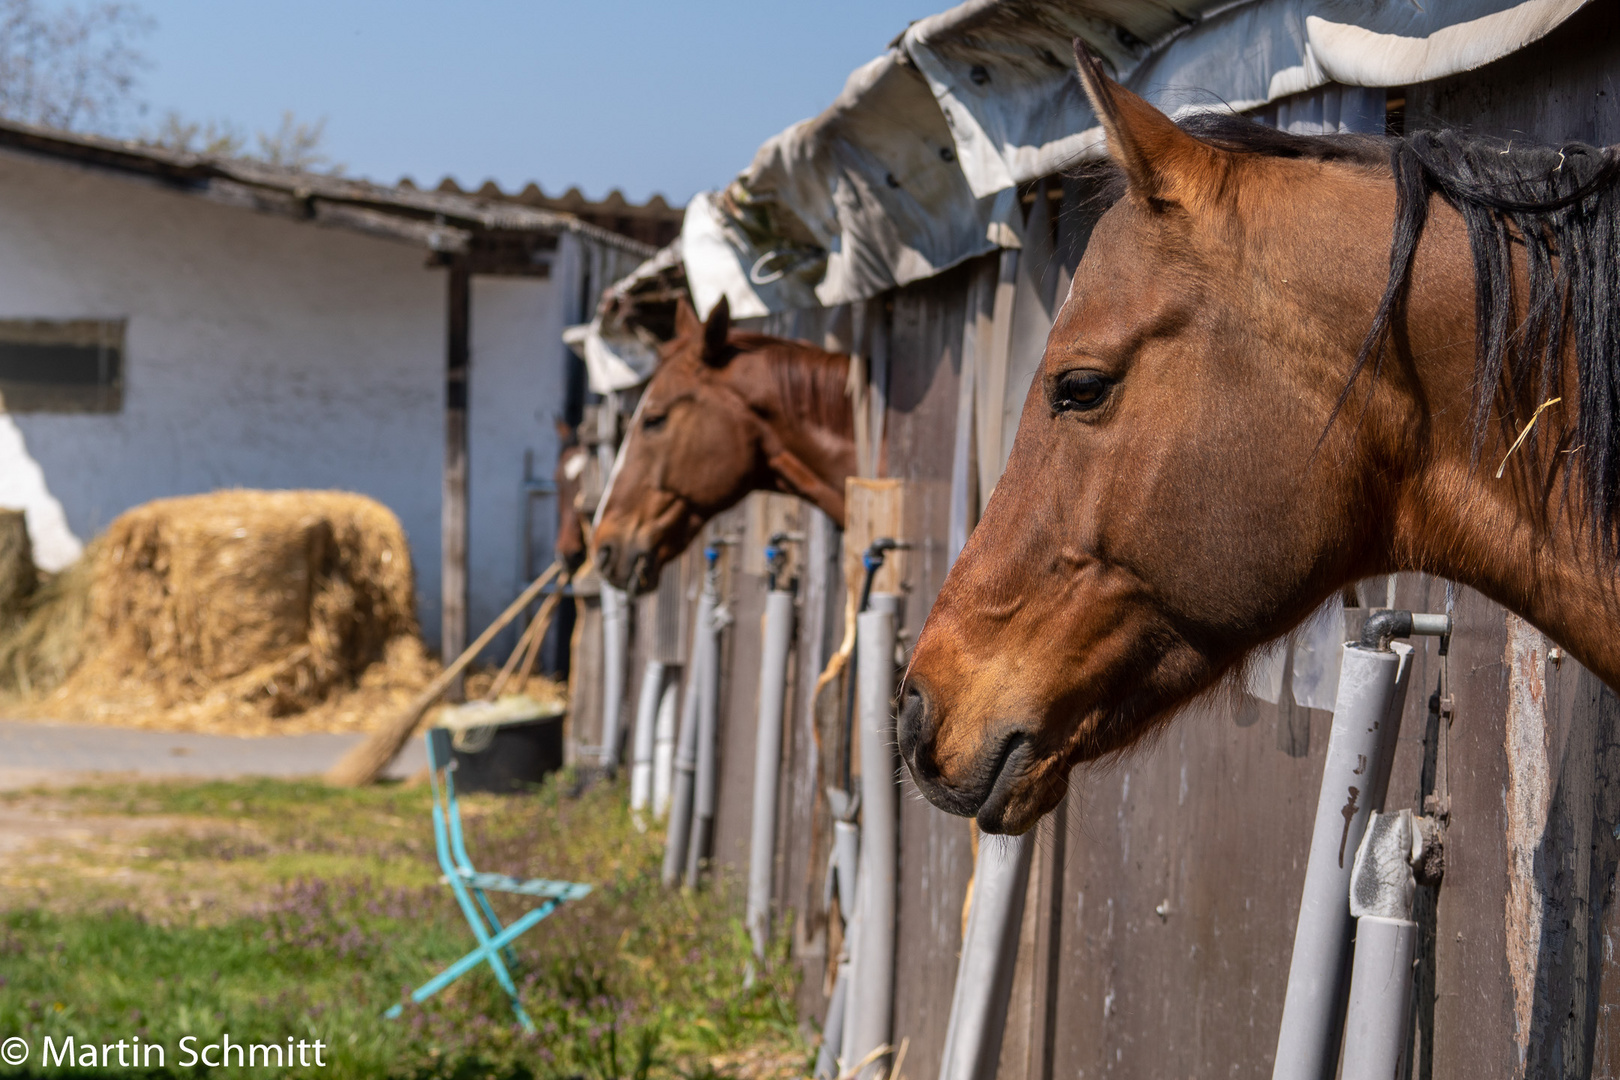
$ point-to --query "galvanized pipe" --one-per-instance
(767, 764)
(872, 979)
(679, 832)
(615, 653)
(984, 974)
(641, 757)
(1366, 720)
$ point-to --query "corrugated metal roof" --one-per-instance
(450, 223)
(652, 222)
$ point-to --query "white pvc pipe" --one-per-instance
(641, 758)
(663, 774)
(706, 777)
(1366, 719)
(678, 836)
(1382, 890)
(832, 1033)
(850, 961)
(871, 1008)
(984, 974)
(767, 764)
(846, 856)
(1375, 1031)
(615, 653)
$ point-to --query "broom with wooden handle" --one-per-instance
(365, 762)
(527, 649)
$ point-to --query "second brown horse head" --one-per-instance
(1215, 443)
(573, 459)
(724, 414)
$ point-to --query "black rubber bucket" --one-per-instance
(513, 757)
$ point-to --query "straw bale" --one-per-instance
(41, 637)
(18, 577)
(248, 612)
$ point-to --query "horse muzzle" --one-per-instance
(627, 566)
(990, 783)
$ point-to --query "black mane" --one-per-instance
(1240, 134)
(1563, 205)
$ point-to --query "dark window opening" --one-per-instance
(1395, 113)
(61, 365)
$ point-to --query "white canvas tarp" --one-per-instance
(619, 354)
(864, 197)
(909, 171)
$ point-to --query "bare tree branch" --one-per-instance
(213, 138)
(297, 145)
(73, 69)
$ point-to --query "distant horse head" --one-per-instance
(724, 414)
(572, 460)
(1215, 442)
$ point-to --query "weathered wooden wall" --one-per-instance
(936, 858)
(1162, 902)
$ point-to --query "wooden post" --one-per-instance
(453, 540)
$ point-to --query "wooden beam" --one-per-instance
(511, 254)
(453, 538)
(431, 235)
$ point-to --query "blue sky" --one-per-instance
(647, 97)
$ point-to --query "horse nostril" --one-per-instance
(604, 558)
(911, 726)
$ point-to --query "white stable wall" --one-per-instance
(263, 352)
(515, 390)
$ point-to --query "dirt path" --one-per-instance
(39, 754)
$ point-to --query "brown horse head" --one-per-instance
(724, 414)
(572, 460)
(1214, 444)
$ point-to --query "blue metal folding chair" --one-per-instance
(470, 887)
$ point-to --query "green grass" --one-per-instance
(273, 910)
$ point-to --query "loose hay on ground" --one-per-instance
(18, 576)
(42, 626)
(242, 612)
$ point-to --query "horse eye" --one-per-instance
(1078, 391)
(653, 421)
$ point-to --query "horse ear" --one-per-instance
(686, 320)
(714, 334)
(1163, 164)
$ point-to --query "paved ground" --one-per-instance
(33, 754)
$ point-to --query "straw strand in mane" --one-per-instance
(1563, 205)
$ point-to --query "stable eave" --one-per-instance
(495, 236)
